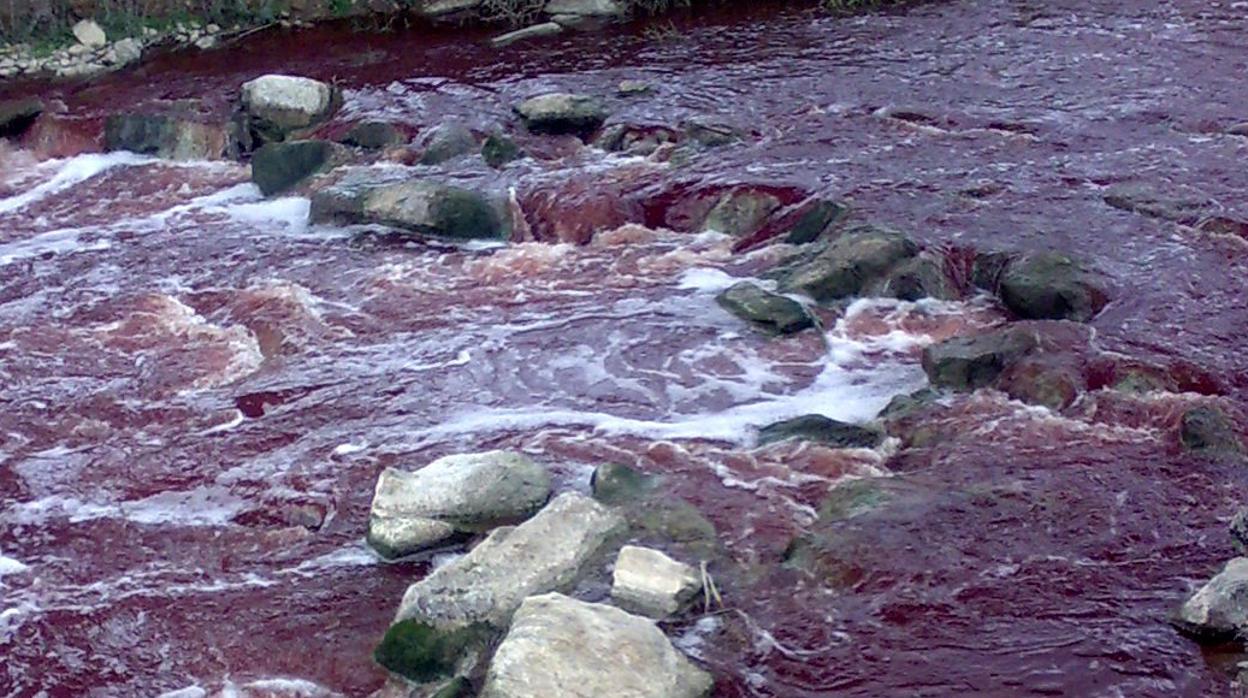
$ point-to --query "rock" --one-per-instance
(447, 141)
(562, 113)
(634, 140)
(849, 264)
(648, 582)
(89, 34)
(18, 115)
(423, 653)
(1207, 431)
(439, 8)
(1049, 286)
(488, 584)
(740, 212)
(453, 495)
(1239, 530)
(559, 646)
(498, 150)
(165, 136)
(812, 224)
(204, 43)
(277, 167)
(614, 484)
(373, 135)
(127, 51)
(424, 207)
(654, 516)
(1240, 129)
(709, 133)
(629, 88)
(922, 276)
(536, 31)
(591, 8)
(770, 311)
(280, 104)
(1047, 380)
(1179, 204)
(968, 363)
(1219, 610)
(987, 268)
(820, 429)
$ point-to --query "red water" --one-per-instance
(198, 393)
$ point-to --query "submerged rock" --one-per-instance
(562, 113)
(278, 105)
(1049, 286)
(559, 646)
(770, 311)
(633, 139)
(423, 653)
(968, 363)
(488, 584)
(1219, 609)
(424, 207)
(849, 264)
(277, 167)
(447, 141)
(17, 115)
(653, 516)
(1208, 431)
(820, 429)
(373, 135)
(648, 582)
(165, 136)
(1181, 205)
(453, 495)
(710, 133)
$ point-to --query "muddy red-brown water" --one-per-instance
(198, 389)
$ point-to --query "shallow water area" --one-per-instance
(198, 388)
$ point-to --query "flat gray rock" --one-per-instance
(1218, 610)
(648, 582)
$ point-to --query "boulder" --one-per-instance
(634, 139)
(1049, 380)
(126, 51)
(1208, 431)
(278, 167)
(543, 554)
(1240, 129)
(421, 206)
(968, 363)
(614, 484)
(850, 264)
(454, 495)
(586, 8)
(1179, 204)
(770, 311)
(447, 141)
(424, 653)
(537, 31)
(562, 113)
(165, 136)
(498, 150)
(648, 582)
(815, 221)
(89, 34)
(373, 135)
(921, 276)
(441, 8)
(740, 212)
(820, 429)
(710, 133)
(1239, 530)
(558, 646)
(17, 115)
(1049, 286)
(278, 105)
(1218, 610)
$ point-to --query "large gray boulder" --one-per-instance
(968, 363)
(558, 646)
(280, 104)
(1050, 286)
(488, 584)
(850, 264)
(562, 113)
(424, 207)
(1219, 609)
(769, 311)
(648, 582)
(451, 496)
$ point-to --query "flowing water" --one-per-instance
(198, 388)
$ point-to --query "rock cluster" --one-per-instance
(95, 53)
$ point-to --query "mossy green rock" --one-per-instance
(498, 150)
(922, 276)
(820, 429)
(423, 653)
(1049, 286)
(847, 265)
(278, 167)
(446, 142)
(770, 311)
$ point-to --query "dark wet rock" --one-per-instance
(165, 136)
(1181, 205)
(1048, 380)
(562, 113)
(498, 150)
(452, 496)
(536, 31)
(559, 646)
(922, 276)
(17, 115)
(374, 135)
(740, 212)
(1208, 431)
(278, 167)
(849, 264)
(907, 404)
(710, 133)
(987, 268)
(1049, 286)
(770, 311)
(968, 363)
(424, 653)
(614, 484)
(634, 140)
(1219, 610)
(424, 207)
(1238, 129)
(820, 429)
(815, 221)
(277, 106)
(1239, 530)
(447, 141)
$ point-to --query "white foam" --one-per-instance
(72, 171)
(202, 506)
(9, 565)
